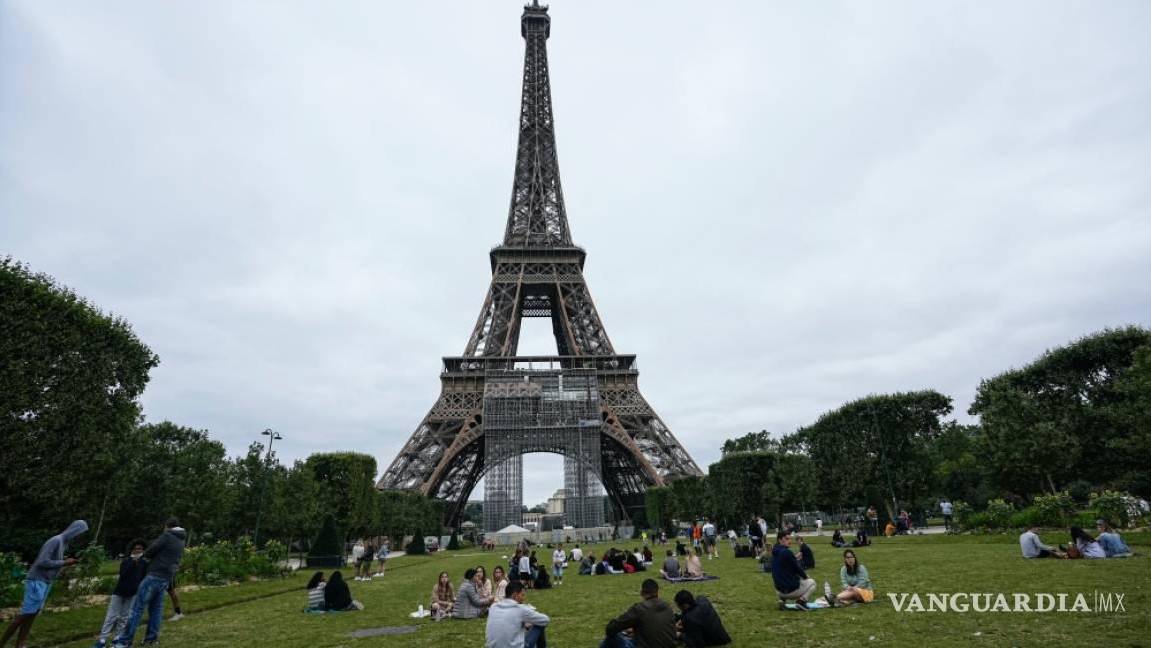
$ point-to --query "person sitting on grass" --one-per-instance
(337, 596)
(500, 584)
(469, 603)
(791, 581)
(1087, 545)
(807, 556)
(542, 579)
(889, 530)
(483, 583)
(315, 588)
(670, 567)
(837, 539)
(515, 624)
(692, 568)
(587, 565)
(443, 597)
(1033, 547)
(647, 624)
(861, 539)
(648, 557)
(856, 583)
(616, 560)
(699, 624)
(680, 548)
(1110, 540)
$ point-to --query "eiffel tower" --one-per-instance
(583, 403)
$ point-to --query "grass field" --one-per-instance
(744, 597)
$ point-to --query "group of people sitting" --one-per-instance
(691, 568)
(617, 561)
(331, 595)
(861, 539)
(789, 575)
(1108, 544)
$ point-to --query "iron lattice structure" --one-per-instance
(495, 406)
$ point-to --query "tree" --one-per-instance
(658, 507)
(689, 498)
(346, 487)
(1056, 420)
(751, 442)
(70, 380)
(879, 439)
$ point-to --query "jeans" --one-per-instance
(150, 595)
(621, 640)
(535, 638)
(116, 619)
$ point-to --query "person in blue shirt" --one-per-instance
(1109, 539)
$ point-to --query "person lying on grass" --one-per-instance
(790, 580)
(856, 582)
(1111, 541)
(1033, 547)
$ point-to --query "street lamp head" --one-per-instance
(269, 433)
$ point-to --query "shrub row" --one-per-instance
(1057, 510)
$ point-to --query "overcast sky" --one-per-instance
(786, 206)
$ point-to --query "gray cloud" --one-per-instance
(785, 206)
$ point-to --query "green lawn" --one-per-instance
(743, 596)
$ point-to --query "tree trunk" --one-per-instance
(1051, 483)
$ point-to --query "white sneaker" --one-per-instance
(176, 617)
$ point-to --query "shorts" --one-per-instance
(866, 594)
(35, 595)
(710, 540)
(558, 571)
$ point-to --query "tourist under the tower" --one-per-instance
(790, 580)
(513, 623)
(470, 604)
(649, 623)
(699, 623)
(670, 568)
(443, 597)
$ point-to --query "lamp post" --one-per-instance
(272, 436)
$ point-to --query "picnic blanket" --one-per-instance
(690, 579)
(818, 604)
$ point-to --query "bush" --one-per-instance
(1115, 507)
(227, 562)
(11, 576)
(416, 547)
(1080, 491)
(999, 514)
(1053, 510)
(328, 543)
(1028, 517)
(454, 542)
(974, 521)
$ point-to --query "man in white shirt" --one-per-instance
(709, 538)
(515, 624)
(1033, 547)
(577, 554)
(559, 558)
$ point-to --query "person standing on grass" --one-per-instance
(512, 623)
(699, 624)
(369, 556)
(382, 556)
(38, 583)
(132, 571)
(710, 536)
(946, 508)
(559, 559)
(163, 556)
(791, 581)
(856, 582)
(647, 624)
(357, 558)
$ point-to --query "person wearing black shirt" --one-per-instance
(699, 623)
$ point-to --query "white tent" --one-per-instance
(513, 528)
